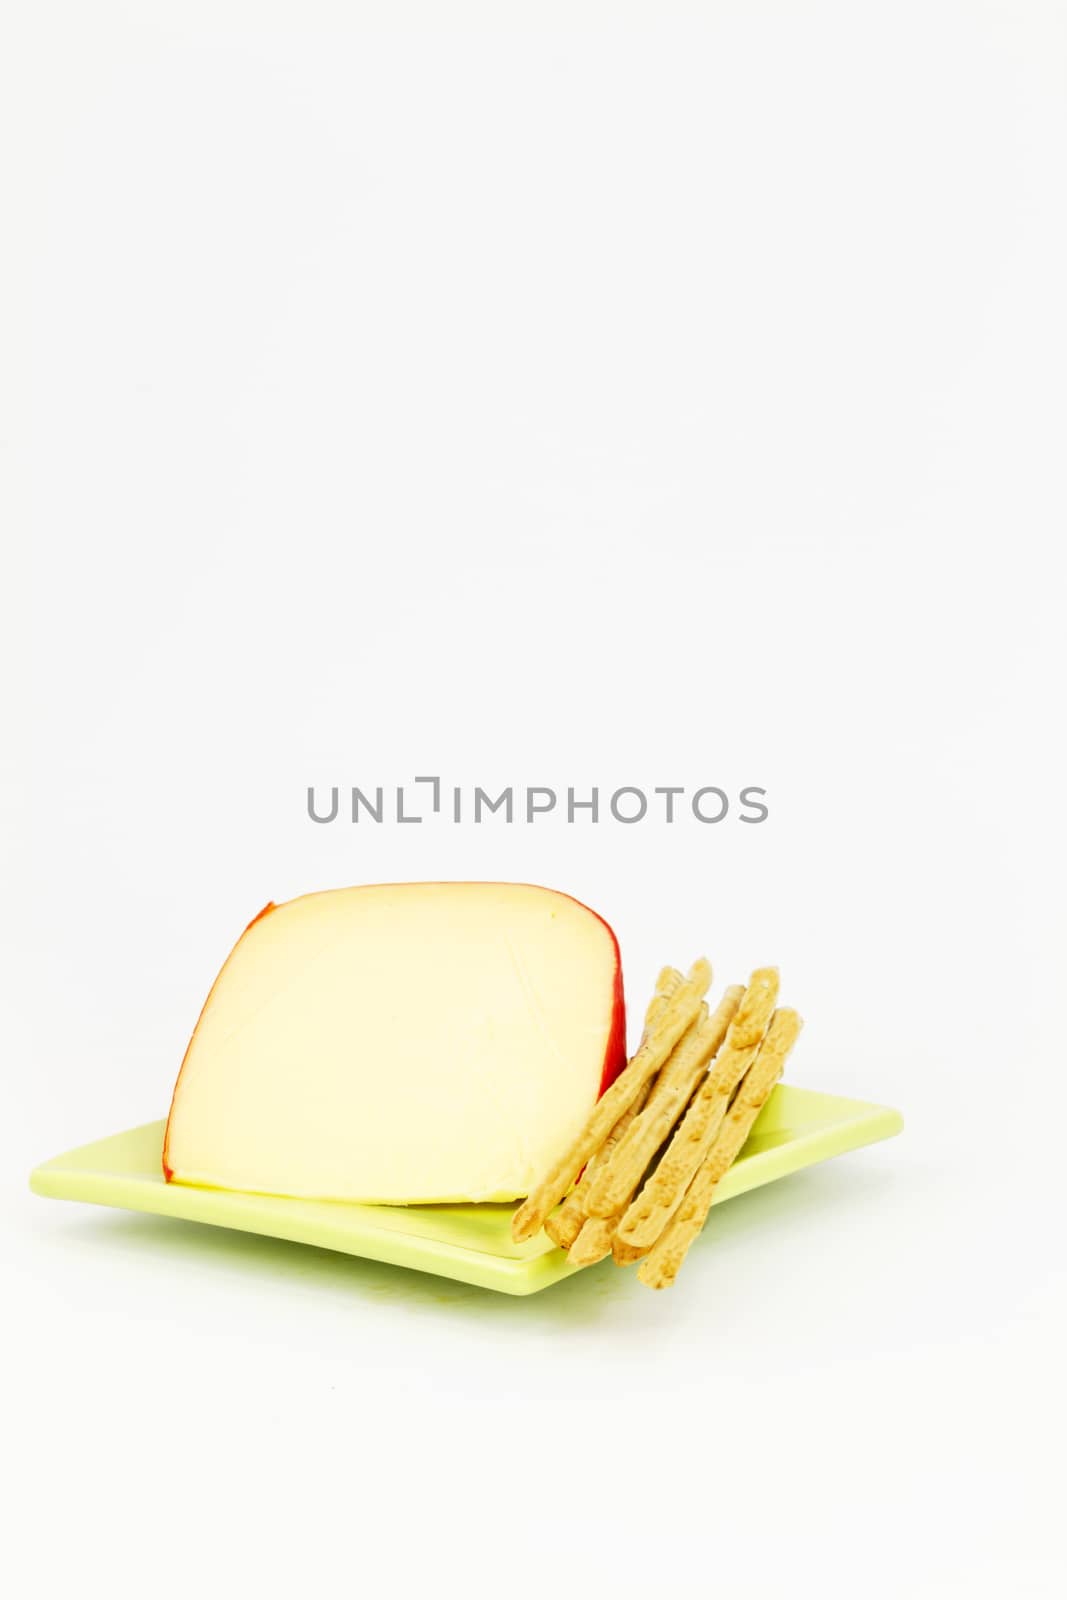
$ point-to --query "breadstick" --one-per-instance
(666, 1101)
(624, 1251)
(593, 1242)
(653, 1208)
(596, 1235)
(565, 1226)
(618, 1177)
(625, 1254)
(670, 980)
(669, 1251)
(676, 1016)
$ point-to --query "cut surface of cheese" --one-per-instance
(400, 1043)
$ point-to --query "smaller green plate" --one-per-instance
(796, 1128)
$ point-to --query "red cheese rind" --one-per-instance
(615, 1050)
(168, 1170)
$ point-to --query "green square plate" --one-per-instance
(796, 1128)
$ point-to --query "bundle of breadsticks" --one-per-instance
(638, 1181)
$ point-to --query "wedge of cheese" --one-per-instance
(400, 1043)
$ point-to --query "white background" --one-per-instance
(558, 394)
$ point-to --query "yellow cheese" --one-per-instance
(400, 1043)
